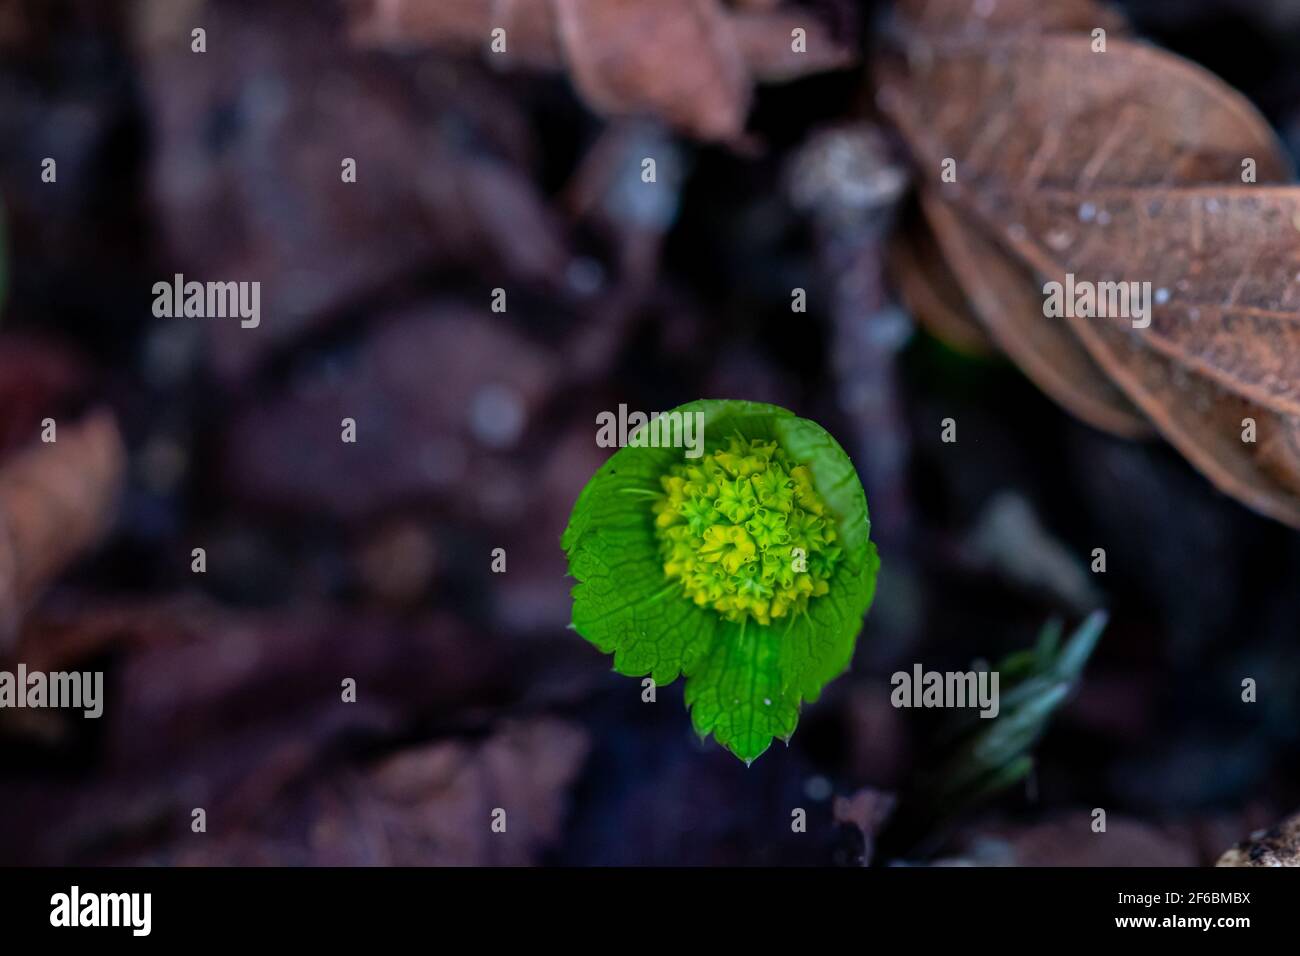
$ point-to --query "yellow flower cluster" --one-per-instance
(745, 532)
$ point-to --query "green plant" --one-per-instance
(981, 758)
(747, 569)
(996, 754)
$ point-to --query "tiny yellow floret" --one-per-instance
(745, 532)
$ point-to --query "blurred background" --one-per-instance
(476, 430)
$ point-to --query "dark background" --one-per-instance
(476, 431)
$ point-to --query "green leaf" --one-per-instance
(736, 692)
(975, 759)
(991, 755)
(745, 680)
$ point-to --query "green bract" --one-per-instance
(748, 569)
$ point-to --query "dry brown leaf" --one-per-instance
(1001, 290)
(55, 502)
(478, 209)
(437, 799)
(1121, 166)
(929, 289)
(616, 51)
(1223, 261)
(1004, 294)
(272, 462)
(431, 805)
(1204, 424)
(1027, 115)
(462, 25)
(1068, 840)
(764, 39)
(1003, 17)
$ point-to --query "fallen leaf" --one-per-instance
(441, 174)
(931, 292)
(225, 672)
(1002, 17)
(56, 500)
(432, 805)
(1069, 840)
(615, 51)
(1119, 166)
(463, 26)
(1003, 294)
(764, 38)
(447, 439)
